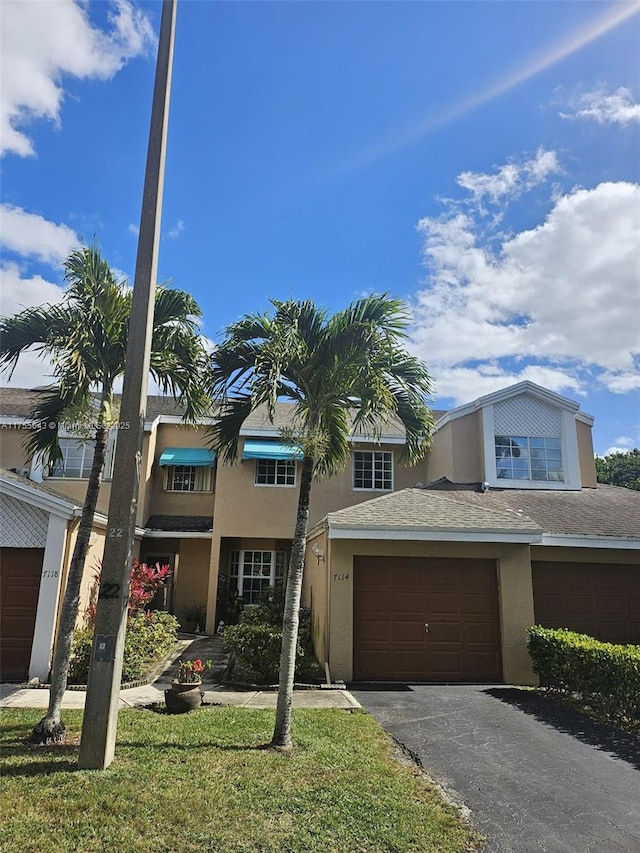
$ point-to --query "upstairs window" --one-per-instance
(521, 457)
(77, 458)
(373, 470)
(187, 478)
(275, 472)
(253, 572)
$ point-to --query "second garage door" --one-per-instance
(598, 599)
(419, 619)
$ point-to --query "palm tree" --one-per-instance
(85, 337)
(348, 369)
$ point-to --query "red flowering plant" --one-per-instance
(190, 671)
(145, 581)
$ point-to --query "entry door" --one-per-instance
(20, 573)
(420, 619)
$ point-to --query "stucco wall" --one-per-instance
(315, 589)
(514, 585)
(161, 502)
(585, 455)
(457, 452)
(12, 451)
(614, 556)
(192, 576)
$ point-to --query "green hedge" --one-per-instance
(606, 676)
(149, 637)
(257, 640)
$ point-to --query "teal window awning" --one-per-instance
(197, 457)
(270, 450)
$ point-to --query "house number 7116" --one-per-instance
(341, 576)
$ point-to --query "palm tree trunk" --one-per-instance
(51, 729)
(282, 732)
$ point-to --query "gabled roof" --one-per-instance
(37, 494)
(525, 387)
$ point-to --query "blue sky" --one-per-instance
(478, 159)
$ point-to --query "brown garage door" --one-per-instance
(20, 572)
(418, 619)
(592, 598)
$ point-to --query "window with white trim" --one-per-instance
(520, 457)
(77, 458)
(187, 478)
(373, 470)
(275, 472)
(253, 572)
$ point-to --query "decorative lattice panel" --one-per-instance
(22, 525)
(526, 415)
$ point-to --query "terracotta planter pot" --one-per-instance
(181, 698)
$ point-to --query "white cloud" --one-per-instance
(20, 292)
(607, 107)
(555, 301)
(133, 229)
(31, 235)
(43, 42)
(510, 180)
(177, 229)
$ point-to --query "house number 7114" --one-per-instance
(341, 576)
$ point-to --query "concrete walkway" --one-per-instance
(205, 648)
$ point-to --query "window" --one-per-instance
(275, 472)
(187, 478)
(255, 571)
(525, 458)
(373, 469)
(77, 458)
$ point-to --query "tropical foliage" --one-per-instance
(84, 338)
(343, 373)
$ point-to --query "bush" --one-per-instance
(257, 640)
(149, 637)
(606, 676)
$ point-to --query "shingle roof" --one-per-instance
(12, 476)
(603, 511)
(180, 523)
(422, 509)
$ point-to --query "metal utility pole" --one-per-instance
(97, 745)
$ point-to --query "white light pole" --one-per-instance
(97, 745)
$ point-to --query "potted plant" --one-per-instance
(185, 694)
(195, 617)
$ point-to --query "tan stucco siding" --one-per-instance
(315, 591)
(515, 593)
(162, 502)
(457, 452)
(586, 458)
(12, 450)
(193, 575)
(338, 492)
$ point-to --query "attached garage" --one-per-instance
(599, 599)
(426, 619)
(20, 573)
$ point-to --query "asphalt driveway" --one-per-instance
(534, 775)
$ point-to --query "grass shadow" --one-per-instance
(622, 745)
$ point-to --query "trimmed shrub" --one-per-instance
(257, 640)
(604, 675)
(149, 637)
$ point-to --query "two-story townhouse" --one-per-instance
(430, 572)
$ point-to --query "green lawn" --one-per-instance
(201, 782)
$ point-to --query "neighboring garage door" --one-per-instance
(20, 572)
(418, 619)
(598, 599)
